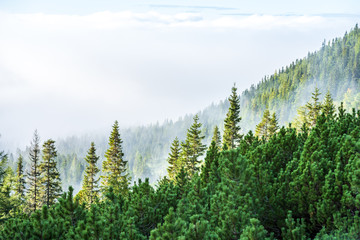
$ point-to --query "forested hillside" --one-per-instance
(334, 68)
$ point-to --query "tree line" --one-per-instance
(279, 183)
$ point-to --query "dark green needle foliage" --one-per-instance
(232, 134)
(174, 159)
(20, 178)
(50, 177)
(193, 148)
(267, 127)
(217, 137)
(90, 188)
(115, 169)
(33, 192)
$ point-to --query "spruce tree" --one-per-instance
(301, 121)
(20, 178)
(211, 156)
(50, 177)
(3, 162)
(314, 107)
(193, 148)
(216, 137)
(273, 126)
(173, 159)
(115, 167)
(232, 134)
(90, 182)
(262, 129)
(33, 193)
(328, 107)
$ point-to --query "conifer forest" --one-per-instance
(262, 164)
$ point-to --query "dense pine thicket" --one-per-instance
(292, 185)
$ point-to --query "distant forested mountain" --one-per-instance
(335, 67)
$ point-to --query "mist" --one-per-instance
(70, 75)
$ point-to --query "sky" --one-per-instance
(74, 67)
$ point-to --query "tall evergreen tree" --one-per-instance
(262, 129)
(33, 193)
(314, 107)
(115, 167)
(328, 107)
(301, 121)
(193, 148)
(90, 182)
(274, 125)
(216, 137)
(232, 134)
(211, 156)
(173, 159)
(20, 178)
(3, 161)
(50, 177)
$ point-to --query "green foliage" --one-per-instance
(90, 186)
(192, 148)
(33, 193)
(268, 126)
(232, 135)
(20, 178)
(174, 159)
(115, 167)
(328, 105)
(211, 156)
(50, 177)
(216, 137)
(254, 231)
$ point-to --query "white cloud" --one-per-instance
(113, 20)
(68, 73)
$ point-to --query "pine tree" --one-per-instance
(273, 126)
(115, 167)
(232, 134)
(216, 137)
(20, 180)
(301, 121)
(33, 194)
(314, 107)
(90, 183)
(211, 156)
(262, 129)
(50, 177)
(3, 161)
(328, 107)
(173, 159)
(193, 148)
